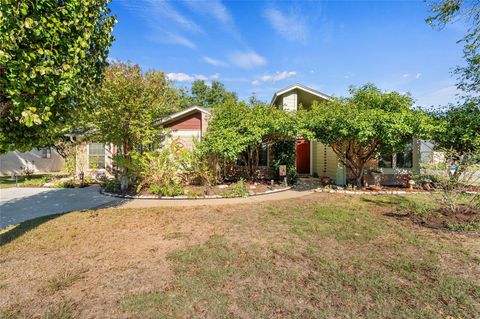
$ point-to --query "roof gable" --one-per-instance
(188, 111)
(302, 88)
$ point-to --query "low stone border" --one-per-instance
(189, 198)
(343, 191)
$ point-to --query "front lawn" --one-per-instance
(23, 181)
(321, 256)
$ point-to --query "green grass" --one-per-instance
(332, 262)
(24, 181)
(221, 279)
(320, 256)
(64, 280)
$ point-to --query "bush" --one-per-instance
(111, 186)
(34, 182)
(169, 190)
(236, 190)
(65, 184)
(292, 176)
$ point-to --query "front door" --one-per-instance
(303, 157)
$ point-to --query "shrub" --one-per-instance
(64, 184)
(111, 185)
(236, 190)
(169, 190)
(34, 182)
(292, 176)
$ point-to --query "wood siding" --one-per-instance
(325, 162)
(289, 101)
(189, 122)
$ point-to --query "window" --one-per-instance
(46, 152)
(405, 158)
(96, 155)
(385, 162)
(399, 160)
(263, 155)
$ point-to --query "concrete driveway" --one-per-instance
(21, 204)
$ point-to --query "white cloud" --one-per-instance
(418, 75)
(184, 77)
(406, 75)
(179, 39)
(163, 10)
(441, 96)
(247, 60)
(214, 62)
(180, 77)
(214, 8)
(164, 22)
(292, 26)
(275, 77)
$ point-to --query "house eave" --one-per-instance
(300, 87)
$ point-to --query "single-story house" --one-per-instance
(37, 160)
(185, 127)
(315, 158)
(312, 157)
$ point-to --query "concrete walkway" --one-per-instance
(140, 203)
(24, 203)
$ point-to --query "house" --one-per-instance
(315, 158)
(312, 157)
(187, 126)
(37, 160)
(184, 128)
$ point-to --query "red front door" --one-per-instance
(303, 157)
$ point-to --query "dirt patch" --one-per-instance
(465, 219)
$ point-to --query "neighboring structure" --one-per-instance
(41, 160)
(315, 158)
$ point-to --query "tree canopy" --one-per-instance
(238, 130)
(448, 11)
(128, 105)
(208, 96)
(458, 128)
(366, 124)
(52, 55)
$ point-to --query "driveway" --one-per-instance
(21, 204)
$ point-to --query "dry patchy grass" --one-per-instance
(320, 256)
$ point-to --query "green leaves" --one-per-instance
(128, 106)
(368, 123)
(55, 53)
(458, 128)
(28, 23)
(236, 126)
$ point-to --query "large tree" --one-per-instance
(366, 124)
(127, 108)
(52, 55)
(238, 130)
(448, 11)
(205, 95)
(458, 129)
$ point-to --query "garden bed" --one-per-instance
(434, 213)
(233, 190)
(43, 181)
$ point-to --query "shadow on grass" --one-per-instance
(10, 233)
(13, 232)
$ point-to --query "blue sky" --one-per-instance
(261, 47)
